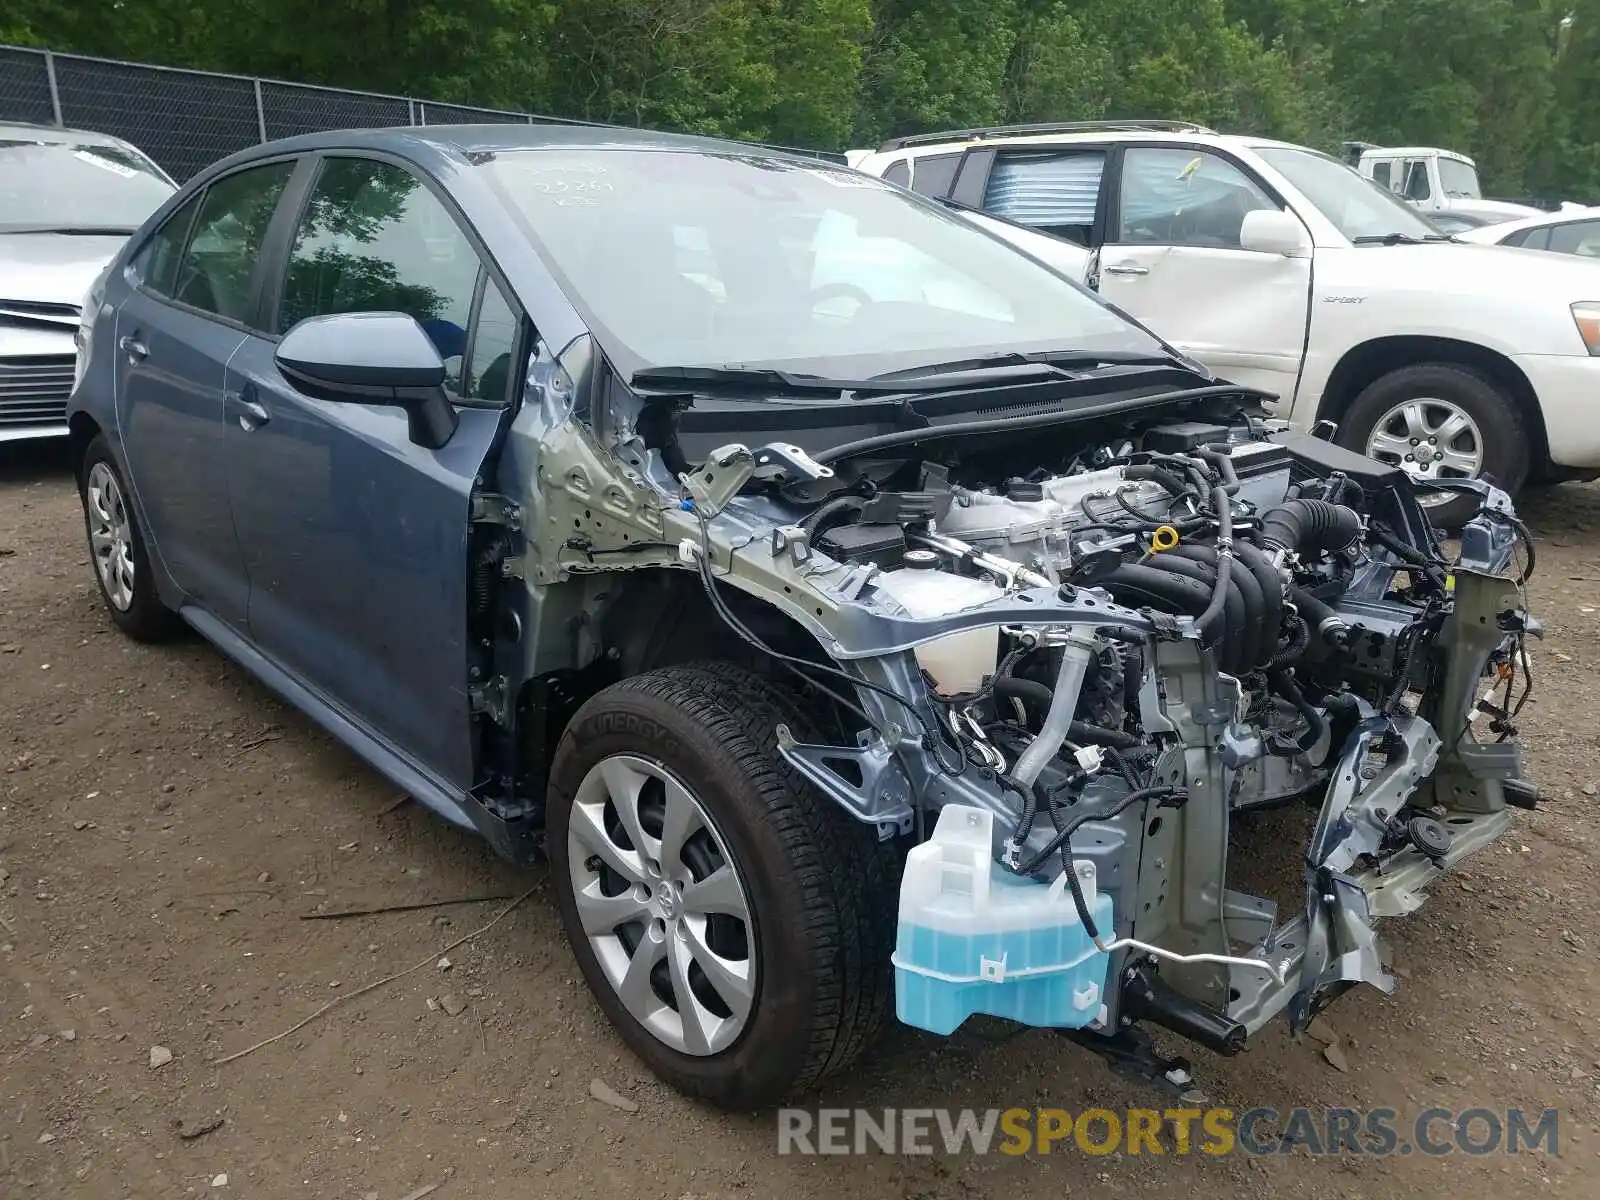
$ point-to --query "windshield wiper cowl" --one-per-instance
(1386, 239)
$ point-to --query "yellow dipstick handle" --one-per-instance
(1165, 537)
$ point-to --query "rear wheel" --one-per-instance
(117, 550)
(1440, 421)
(734, 924)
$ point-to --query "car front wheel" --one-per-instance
(734, 924)
(1440, 421)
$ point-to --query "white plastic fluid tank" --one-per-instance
(959, 661)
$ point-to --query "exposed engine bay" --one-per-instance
(1100, 644)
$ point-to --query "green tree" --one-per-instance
(1515, 83)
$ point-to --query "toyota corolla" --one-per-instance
(862, 617)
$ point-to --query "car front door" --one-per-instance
(355, 538)
(191, 297)
(1173, 259)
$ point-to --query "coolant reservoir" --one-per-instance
(959, 661)
(973, 938)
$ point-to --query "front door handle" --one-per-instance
(133, 348)
(1126, 269)
(252, 413)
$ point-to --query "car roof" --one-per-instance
(963, 139)
(28, 131)
(504, 136)
(1416, 151)
(1560, 217)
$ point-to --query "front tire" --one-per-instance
(1445, 421)
(734, 924)
(117, 549)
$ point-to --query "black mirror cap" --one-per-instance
(372, 358)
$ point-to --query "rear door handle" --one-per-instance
(1126, 269)
(133, 348)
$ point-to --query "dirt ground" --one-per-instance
(165, 825)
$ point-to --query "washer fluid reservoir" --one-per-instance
(957, 662)
(973, 938)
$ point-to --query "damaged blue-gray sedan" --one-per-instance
(862, 617)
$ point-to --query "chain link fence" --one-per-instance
(187, 120)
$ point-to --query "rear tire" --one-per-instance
(117, 550)
(1445, 416)
(816, 888)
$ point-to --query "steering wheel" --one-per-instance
(836, 292)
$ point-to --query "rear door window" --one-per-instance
(157, 264)
(932, 174)
(217, 272)
(1054, 191)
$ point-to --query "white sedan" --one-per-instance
(1573, 230)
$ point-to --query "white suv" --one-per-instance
(1282, 268)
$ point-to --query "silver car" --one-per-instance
(68, 200)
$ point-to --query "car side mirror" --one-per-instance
(372, 358)
(1273, 231)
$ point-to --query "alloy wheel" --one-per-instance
(110, 535)
(662, 904)
(1429, 438)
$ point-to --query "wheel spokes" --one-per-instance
(625, 785)
(601, 913)
(587, 826)
(729, 978)
(681, 819)
(1452, 427)
(698, 1024)
(97, 507)
(1388, 443)
(634, 987)
(718, 892)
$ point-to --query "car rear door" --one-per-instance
(355, 539)
(191, 301)
(1172, 258)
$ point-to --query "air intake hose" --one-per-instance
(1258, 640)
(1238, 615)
(1037, 696)
(1329, 625)
(1146, 587)
(1170, 482)
(1309, 527)
(1259, 565)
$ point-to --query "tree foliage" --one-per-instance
(1515, 83)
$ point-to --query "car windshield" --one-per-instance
(1459, 178)
(705, 259)
(1359, 207)
(73, 186)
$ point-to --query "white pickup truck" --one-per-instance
(1282, 268)
(1439, 182)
